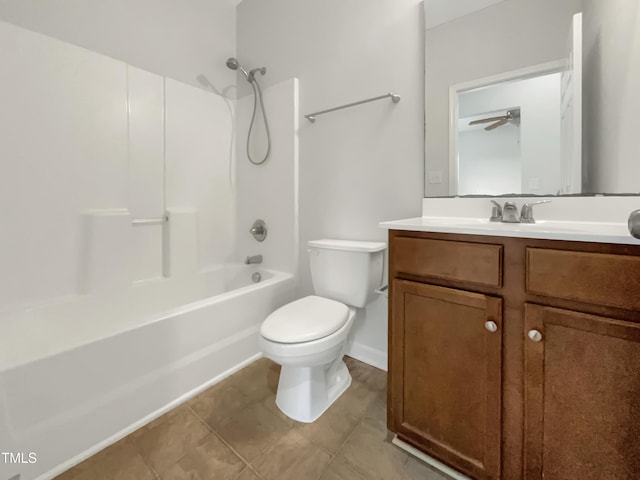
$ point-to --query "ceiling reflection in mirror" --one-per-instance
(532, 97)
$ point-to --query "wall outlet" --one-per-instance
(434, 176)
(534, 183)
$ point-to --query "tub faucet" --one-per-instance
(253, 259)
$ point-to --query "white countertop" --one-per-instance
(579, 219)
(600, 232)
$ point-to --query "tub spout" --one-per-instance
(253, 259)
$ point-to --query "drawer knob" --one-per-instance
(534, 335)
(491, 326)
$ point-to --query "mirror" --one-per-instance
(532, 97)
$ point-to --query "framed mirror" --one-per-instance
(532, 97)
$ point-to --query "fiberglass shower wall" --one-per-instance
(270, 191)
(89, 143)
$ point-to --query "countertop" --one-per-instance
(600, 232)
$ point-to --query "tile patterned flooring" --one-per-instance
(234, 431)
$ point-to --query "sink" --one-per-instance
(541, 226)
(455, 221)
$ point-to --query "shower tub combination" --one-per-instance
(77, 376)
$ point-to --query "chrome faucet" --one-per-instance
(259, 230)
(496, 212)
(509, 213)
(526, 214)
(253, 259)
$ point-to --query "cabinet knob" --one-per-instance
(491, 326)
(534, 335)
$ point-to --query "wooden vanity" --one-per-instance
(514, 357)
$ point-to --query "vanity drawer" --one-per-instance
(477, 263)
(597, 278)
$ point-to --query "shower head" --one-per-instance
(233, 64)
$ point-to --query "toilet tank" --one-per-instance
(346, 270)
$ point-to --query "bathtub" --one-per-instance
(81, 374)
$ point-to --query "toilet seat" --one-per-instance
(305, 320)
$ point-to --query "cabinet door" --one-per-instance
(445, 372)
(582, 396)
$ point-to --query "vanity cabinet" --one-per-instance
(582, 396)
(516, 358)
(451, 364)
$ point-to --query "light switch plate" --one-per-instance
(434, 176)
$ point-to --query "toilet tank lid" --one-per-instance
(349, 245)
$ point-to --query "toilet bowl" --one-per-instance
(308, 337)
(313, 374)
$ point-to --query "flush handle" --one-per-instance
(491, 326)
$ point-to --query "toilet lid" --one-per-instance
(304, 320)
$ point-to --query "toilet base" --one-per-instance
(305, 393)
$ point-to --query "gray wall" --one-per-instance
(358, 166)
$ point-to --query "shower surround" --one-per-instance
(122, 291)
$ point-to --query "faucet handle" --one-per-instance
(259, 230)
(526, 214)
(496, 212)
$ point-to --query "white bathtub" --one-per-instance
(79, 375)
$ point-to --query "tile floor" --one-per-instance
(234, 431)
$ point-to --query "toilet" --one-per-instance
(308, 337)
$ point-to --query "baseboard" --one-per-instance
(145, 420)
(370, 356)
(432, 462)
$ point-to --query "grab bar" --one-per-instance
(150, 221)
(312, 116)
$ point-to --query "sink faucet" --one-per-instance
(509, 213)
(253, 259)
(496, 212)
(526, 214)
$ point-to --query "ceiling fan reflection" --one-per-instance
(512, 116)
